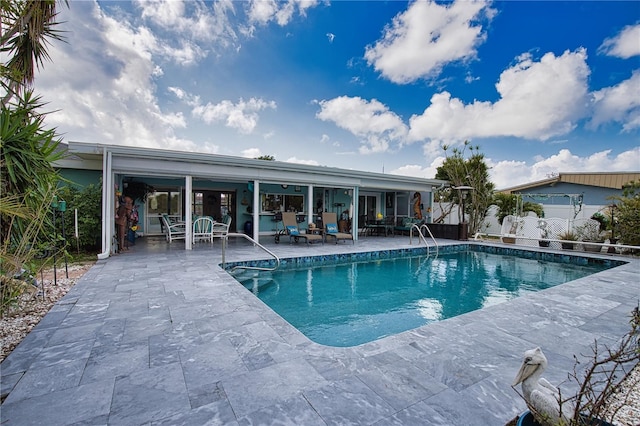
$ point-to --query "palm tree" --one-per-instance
(27, 148)
(26, 26)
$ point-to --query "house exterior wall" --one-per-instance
(80, 178)
(592, 195)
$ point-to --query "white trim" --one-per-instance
(107, 205)
(188, 212)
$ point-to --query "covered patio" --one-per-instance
(185, 185)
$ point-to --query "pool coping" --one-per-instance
(188, 344)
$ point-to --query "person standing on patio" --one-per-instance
(417, 205)
(122, 220)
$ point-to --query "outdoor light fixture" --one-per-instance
(464, 190)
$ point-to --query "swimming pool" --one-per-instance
(342, 303)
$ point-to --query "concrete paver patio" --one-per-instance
(164, 336)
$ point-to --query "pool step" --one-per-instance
(257, 283)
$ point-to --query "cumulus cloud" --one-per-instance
(415, 170)
(301, 161)
(428, 36)
(251, 153)
(624, 45)
(242, 115)
(509, 173)
(619, 103)
(111, 97)
(371, 121)
(190, 22)
(265, 11)
(538, 100)
(506, 174)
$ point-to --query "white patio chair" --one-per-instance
(173, 231)
(221, 229)
(203, 229)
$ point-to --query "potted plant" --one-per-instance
(591, 232)
(568, 236)
(544, 233)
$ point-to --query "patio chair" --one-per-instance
(291, 227)
(330, 221)
(173, 230)
(203, 229)
(221, 229)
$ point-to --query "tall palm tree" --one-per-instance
(26, 26)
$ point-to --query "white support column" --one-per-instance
(354, 213)
(108, 205)
(188, 213)
(256, 210)
(310, 211)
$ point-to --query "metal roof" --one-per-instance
(613, 180)
(166, 163)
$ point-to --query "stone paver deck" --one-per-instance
(163, 336)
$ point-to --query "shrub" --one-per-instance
(88, 201)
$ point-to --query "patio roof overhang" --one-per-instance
(134, 161)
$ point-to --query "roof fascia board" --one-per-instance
(174, 168)
(167, 163)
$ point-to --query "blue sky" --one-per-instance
(541, 87)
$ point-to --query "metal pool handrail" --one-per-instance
(432, 238)
(421, 236)
(255, 243)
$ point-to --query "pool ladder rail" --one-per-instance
(255, 243)
(421, 236)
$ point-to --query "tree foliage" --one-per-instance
(88, 202)
(27, 26)
(471, 170)
(511, 204)
(627, 214)
(27, 148)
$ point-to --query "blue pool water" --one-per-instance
(347, 304)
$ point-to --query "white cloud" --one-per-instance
(241, 116)
(191, 22)
(301, 161)
(538, 100)
(619, 103)
(331, 37)
(509, 173)
(506, 174)
(251, 153)
(111, 97)
(265, 11)
(369, 120)
(624, 45)
(426, 37)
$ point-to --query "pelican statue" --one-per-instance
(541, 397)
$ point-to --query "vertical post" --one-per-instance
(62, 206)
(54, 207)
(256, 210)
(310, 211)
(188, 212)
(75, 222)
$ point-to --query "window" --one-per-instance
(282, 202)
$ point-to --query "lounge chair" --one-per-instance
(330, 221)
(173, 230)
(291, 227)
